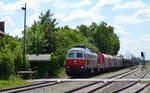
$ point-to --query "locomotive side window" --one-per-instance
(85, 55)
(71, 55)
(79, 55)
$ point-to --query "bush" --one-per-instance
(11, 57)
(7, 66)
(53, 65)
(61, 73)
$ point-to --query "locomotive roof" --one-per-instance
(87, 50)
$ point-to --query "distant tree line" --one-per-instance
(44, 37)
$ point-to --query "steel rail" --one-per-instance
(126, 73)
(29, 87)
(131, 84)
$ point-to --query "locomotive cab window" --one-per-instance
(79, 55)
(85, 56)
(71, 55)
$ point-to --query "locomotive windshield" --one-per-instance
(79, 55)
(71, 55)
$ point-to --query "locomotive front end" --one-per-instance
(75, 62)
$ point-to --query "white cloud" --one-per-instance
(140, 16)
(77, 14)
(133, 4)
(59, 15)
(120, 30)
(63, 4)
(94, 14)
(136, 45)
(143, 13)
(86, 16)
(8, 20)
(91, 15)
(32, 18)
(9, 8)
(16, 32)
(123, 19)
(103, 3)
(82, 3)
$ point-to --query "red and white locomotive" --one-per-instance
(82, 61)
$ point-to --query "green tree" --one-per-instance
(49, 27)
(106, 40)
(36, 42)
(7, 66)
(68, 38)
(40, 37)
(84, 29)
(92, 27)
(11, 57)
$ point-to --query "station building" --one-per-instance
(39, 63)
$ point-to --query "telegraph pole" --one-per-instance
(24, 47)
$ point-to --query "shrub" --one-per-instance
(11, 54)
(7, 66)
(53, 65)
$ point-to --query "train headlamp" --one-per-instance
(82, 67)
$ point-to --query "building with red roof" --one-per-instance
(2, 29)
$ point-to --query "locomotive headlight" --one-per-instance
(75, 61)
(67, 66)
(82, 67)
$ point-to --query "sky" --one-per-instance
(130, 18)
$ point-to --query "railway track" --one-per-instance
(127, 87)
(134, 87)
(91, 87)
(29, 87)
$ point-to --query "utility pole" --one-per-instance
(24, 47)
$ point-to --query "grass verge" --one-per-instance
(61, 73)
(4, 84)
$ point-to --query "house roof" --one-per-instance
(1, 32)
(39, 57)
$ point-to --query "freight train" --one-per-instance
(84, 61)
